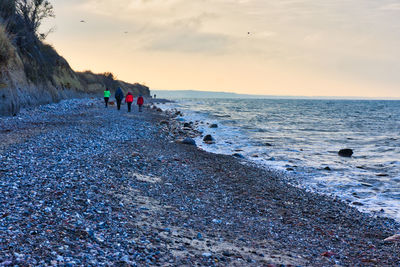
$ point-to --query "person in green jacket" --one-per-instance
(107, 95)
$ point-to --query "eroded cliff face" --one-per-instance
(17, 91)
(42, 76)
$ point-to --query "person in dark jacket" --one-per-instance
(119, 95)
(129, 100)
(140, 102)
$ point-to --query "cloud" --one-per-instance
(391, 7)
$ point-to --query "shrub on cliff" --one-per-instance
(6, 48)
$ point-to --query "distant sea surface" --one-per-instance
(302, 138)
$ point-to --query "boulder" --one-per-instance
(214, 125)
(208, 138)
(347, 152)
(189, 141)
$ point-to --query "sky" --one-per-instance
(268, 47)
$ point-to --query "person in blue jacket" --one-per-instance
(119, 95)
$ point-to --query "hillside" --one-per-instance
(33, 73)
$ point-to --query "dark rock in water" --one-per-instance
(189, 141)
(357, 203)
(327, 168)
(268, 144)
(187, 125)
(382, 175)
(237, 155)
(214, 125)
(208, 138)
(367, 185)
(289, 169)
(346, 152)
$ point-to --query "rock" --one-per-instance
(214, 125)
(327, 168)
(382, 175)
(238, 155)
(189, 141)
(393, 238)
(268, 144)
(208, 138)
(289, 169)
(327, 254)
(187, 125)
(255, 156)
(366, 184)
(346, 152)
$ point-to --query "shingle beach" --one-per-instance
(82, 185)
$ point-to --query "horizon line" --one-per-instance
(285, 96)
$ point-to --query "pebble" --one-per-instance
(69, 197)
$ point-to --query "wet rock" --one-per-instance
(214, 125)
(327, 168)
(238, 155)
(382, 175)
(347, 152)
(268, 144)
(208, 138)
(189, 141)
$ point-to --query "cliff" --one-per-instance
(33, 73)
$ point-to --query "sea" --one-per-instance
(300, 138)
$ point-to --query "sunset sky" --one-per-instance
(270, 47)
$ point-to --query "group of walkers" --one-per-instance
(119, 96)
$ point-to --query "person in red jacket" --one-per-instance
(129, 100)
(140, 102)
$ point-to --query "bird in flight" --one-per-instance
(83, 21)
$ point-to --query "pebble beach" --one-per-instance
(82, 185)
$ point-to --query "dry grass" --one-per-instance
(6, 48)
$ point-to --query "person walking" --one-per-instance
(107, 95)
(119, 95)
(140, 102)
(129, 100)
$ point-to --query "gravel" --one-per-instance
(85, 185)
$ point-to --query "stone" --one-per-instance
(347, 152)
(327, 168)
(238, 155)
(214, 125)
(208, 138)
(189, 141)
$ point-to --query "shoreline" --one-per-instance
(163, 202)
(364, 181)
